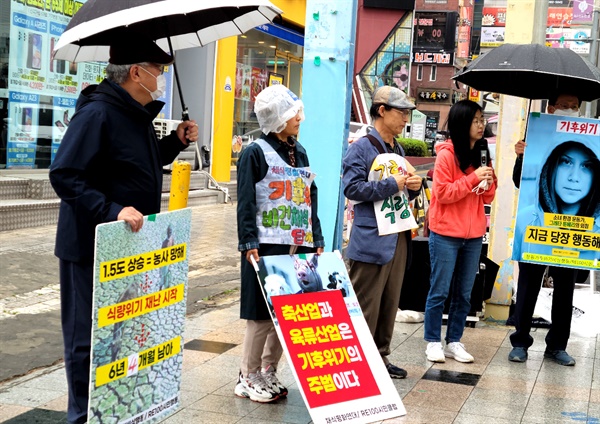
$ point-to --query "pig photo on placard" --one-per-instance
(304, 273)
(559, 200)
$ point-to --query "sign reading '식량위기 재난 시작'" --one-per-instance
(559, 205)
(326, 339)
(140, 285)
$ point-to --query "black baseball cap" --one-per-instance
(137, 49)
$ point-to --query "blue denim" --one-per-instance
(456, 261)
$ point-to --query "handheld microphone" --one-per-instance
(484, 157)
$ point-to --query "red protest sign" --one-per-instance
(324, 348)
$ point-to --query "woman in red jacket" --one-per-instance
(463, 182)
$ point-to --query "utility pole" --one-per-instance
(327, 74)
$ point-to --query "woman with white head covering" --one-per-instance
(276, 215)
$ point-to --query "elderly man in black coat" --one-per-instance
(107, 168)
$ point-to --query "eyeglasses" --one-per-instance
(160, 68)
(403, 112)
(482, 122)
(564, 106)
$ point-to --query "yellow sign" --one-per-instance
(131, 265)
(136, 362)
(474, 95)
(562, 238)
(142, 305)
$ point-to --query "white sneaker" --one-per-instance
(271, 378)
(457, 351)
(254, 387)
(435, 352)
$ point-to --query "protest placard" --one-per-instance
(326, 339)
(140, 285)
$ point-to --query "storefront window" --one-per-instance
(38, 94)
(262, 60)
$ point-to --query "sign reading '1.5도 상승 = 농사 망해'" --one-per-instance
(140, 285)
(326, 339)
(559, 202)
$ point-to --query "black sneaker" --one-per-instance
(561, 357)
(396, 372)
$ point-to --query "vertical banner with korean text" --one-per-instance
(140, 285)
(326, 339)
(559, 201)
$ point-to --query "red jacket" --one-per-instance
(455, 210)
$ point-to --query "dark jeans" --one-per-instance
(76, 287)
(454, 263)
(528, 288)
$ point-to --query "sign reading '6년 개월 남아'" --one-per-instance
(140, 285)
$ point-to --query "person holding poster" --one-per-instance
(551, 200)
(276, 215)
(107, 168)
(463, 182)
(380, 182)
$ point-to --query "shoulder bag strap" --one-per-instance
(376, 143)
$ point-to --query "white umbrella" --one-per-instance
(186, 23)
(173, 24)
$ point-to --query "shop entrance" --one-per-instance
(262, 60)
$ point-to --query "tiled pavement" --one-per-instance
(491, 390)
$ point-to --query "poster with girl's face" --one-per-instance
(558, 217)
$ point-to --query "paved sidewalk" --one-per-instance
(490, 390)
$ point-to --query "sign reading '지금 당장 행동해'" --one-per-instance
(140, 285)
(326, 339)
(559, 200)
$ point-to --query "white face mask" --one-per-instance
(161, 85)
(567, 112)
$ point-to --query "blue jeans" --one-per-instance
(456, 261)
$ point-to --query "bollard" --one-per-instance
(180, 185)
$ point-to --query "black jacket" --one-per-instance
(110, 158)
(252, 167)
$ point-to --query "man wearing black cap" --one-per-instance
(107, 168)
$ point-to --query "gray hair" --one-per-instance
(119, 73)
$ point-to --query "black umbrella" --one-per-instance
(173, 24)
(532, 71)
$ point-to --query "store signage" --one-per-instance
(433, 58)
(496, 16)
(492, 36)
(464, 32)
(583, 10)
(554, 36)
(474, 95)
(560, 16)
(391, 4)
(433, 95)
(283, 33)
(434, 31)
